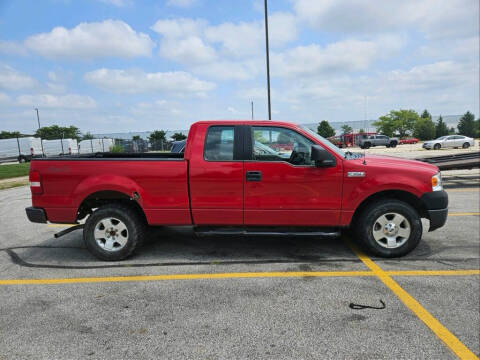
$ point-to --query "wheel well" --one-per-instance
(101, 198)
(400, 195)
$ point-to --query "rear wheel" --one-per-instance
(437, 146)
(366, 145)
(389, 228)
(393, 144)
(466, 145)
(113, 232)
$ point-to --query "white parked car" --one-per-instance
(449, 141)
(21, 149)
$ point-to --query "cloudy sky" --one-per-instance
(124, 65)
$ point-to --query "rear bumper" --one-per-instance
(436, 203)
(36, 215)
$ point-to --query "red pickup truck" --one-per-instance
(232, 179)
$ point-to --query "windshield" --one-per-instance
(324, 141)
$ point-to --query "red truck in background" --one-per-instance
(231, 179)
(411, 140)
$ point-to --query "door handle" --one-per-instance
(254, 176)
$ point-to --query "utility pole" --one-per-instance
(268, 62)
(41, 142)
(252, 109)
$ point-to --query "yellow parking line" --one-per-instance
(188, 277)
(464, 214)
(438, 329)
(432, 272)
(279, 274)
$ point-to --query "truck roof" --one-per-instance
(245, 122)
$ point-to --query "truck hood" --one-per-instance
(399, 163)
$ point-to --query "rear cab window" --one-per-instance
(219, 143)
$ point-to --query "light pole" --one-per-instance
(41, 142)
(268, 62)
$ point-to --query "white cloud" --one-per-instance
(179, 27)
(12, 48)
(92, 40)
(13, 80)
(181, 3)
(137, 81)
(343, 56)
(188, 50)
(119, 3)
(195, 40)
(433, 77)
(436, 18)
(230, 70)
(4, 98)
(70, 101)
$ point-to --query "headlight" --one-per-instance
(437, 182)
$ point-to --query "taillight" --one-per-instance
(31, 151)
(35, 182)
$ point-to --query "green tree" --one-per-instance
(324, 129)
(136, 137)
(361, 131)
(441, 128)
(157, 135)
(178, 136)
(477, 127)
(451, 131)
(346, 129)
(424, 128)
(58, 132)
(426, 115)
(466, 125)
(87, 136)
(9, 134)
(397, 121)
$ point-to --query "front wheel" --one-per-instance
(113, 232)
(437, 147)
(393, 144)
(389, 228)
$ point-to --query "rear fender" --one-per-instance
(107, 182)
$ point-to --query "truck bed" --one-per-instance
(157, 181)
(119, 156)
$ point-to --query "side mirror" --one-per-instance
(322, 157)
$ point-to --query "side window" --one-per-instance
(280, 144)
(219, 143)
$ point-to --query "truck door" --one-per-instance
(282, 184)
(216, 175)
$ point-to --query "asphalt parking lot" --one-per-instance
(240, 298)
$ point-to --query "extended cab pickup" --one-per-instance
(247, 177)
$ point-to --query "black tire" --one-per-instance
(393, 144)
(388, 145)
(366, 145)
(22, 159)
(437, 147)
(135, 226)
(466, 145)
(365, 222)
